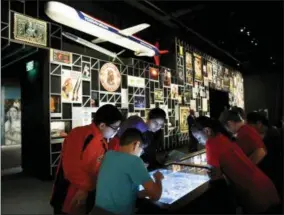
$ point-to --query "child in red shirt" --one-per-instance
(255, 191)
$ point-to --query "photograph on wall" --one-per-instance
(193, 105)
(154, 73)
(189, 77)
(135, 81)
(174, 91)
(57, 56)
(183, 114)
(86, 71)
(180, 50)
(71, 86)
(158, 95)
(95, 99)
(110, 77)
(197, 68)
(180, 75)
(139, 102)
(209, 71)
(30, 30)
(59, 129)
(12, 122)
(204, 68)
(226, 80)
(165, 77)
(188, 61)
(187, 97)
(55, 106)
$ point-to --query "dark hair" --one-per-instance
(157, 113)
(215, 125)
(254, 117)
(239, 110)
(107, 114)
(129, 136)
(233, 115)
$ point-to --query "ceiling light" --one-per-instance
(248, 33)
(271, 58)
(238, 64)
(252, 41)
(255, 44)
(242, 30)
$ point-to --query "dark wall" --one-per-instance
(35, 109)
(265, 91)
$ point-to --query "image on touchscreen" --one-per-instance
(178, 184)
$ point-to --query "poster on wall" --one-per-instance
(187, 97)
(197, 68)
(57, 56)
(110, 77)
(135, 81)
(193, 105)
(30, 30)
(124, 98)
(86, 71)
(59, 129)
(174, 91)
(71, 86)
(180, 51)
(183, 114)
(139, 102)
(154, 73)
(204, 69)
(82, 116)
(204, 105)
(188, 68)
(55, 106)
(12, 122)
(158, 95)
(165, 77)
(226, 80)
(209, 71)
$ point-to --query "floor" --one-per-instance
(21, 194)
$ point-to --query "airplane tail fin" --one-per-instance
(157, 57)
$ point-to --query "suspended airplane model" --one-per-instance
(93, 46)
(73, 18)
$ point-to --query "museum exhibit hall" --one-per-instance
(141, 107)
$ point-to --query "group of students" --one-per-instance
(236, 152)
(100, 164)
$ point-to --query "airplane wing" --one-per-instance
(127, 32)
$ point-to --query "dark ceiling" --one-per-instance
(221, 23)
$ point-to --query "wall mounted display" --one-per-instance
(180, 76)
(209, 71)
(187, 97)
(57, 56)
(154, 73)
(110, 77)
(135, 81)
(188, 61)
(86, 71)
(55, 106)
(139, 102)
(167, 78)
(30, 30)
(159, 95)
(183, 114)
(12, 120)
(197, 68)
(174, 91)
(226, 80)
(71, 86)
(59, 129)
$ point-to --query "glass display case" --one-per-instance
(198, 159)
(179, 181)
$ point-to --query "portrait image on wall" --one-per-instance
(12, 122)
(110, 77)
(55, 106)
(158, 95)
(154, 73)
(183, 114)
(209, 71)
(71, 86)
(59, 129)
(86, 71)
(204, 68)
(167, 78)
(174, 91)
(226, 80)
(180, 75)
(180, 50)
(58, 56)
(189, 77)
(197, 68)
(139, 102)
(187, 97)
(188, 61)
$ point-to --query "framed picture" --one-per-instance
(174, 91)
(55, 106)
(183, 114)
(60, 129)
(188, 61)
(86, 71)
(139, 102)
(197, 68)
(187, 97)
(110, 77)
(61, 57)
(30, 30)
(158, 95)
(154, 73)
(71, 86)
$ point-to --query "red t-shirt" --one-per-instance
(249, 140)
(255, 190)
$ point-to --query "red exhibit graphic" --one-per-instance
(125, 38)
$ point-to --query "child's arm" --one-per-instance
(152, 189)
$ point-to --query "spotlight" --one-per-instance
(271, 58)
(248, 33)
(238, 64)
(255, 44)
(242, 30)
(252, 41)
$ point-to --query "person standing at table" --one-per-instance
(255, 191)
(247, 137)
(81, 156)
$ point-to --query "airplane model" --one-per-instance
(81, 21)
(92, 46)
